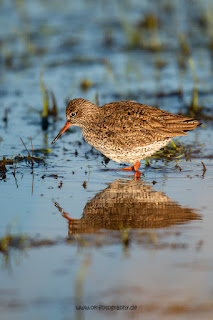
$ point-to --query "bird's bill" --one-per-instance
(65, 127)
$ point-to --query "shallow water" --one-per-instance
(85, 234)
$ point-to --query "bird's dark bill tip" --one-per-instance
(65, 127)
(54, 140)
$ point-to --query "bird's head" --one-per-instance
(78, 112)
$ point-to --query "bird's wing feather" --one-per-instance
(133, 123)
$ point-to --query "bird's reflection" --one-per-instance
(129, 204)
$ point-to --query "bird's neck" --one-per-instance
(90, 116)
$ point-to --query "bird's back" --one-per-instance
(145, 124)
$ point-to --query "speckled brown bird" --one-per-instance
(125, 131)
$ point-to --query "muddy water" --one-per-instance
(83, 235)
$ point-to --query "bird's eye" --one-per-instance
(73, 114)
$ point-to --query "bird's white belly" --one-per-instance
(133, 155)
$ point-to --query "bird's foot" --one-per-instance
(127, 168)
(134, 168)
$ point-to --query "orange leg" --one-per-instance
(136, 166)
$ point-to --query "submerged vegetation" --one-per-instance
(46, 112)
(176, 150)
(153, 239)
(29, 159)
